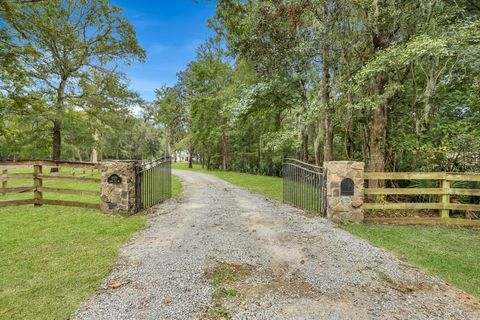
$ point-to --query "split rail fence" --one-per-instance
(43, 182)
(447, 187)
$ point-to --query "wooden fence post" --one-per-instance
(37, 183)
(445, 198)
(4, 179)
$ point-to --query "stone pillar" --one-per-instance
(118, 187)
(344, 190)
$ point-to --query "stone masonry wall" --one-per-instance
(344, 208)
(118, 198)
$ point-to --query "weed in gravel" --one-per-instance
(225, 272)
(401, 286)
(217, 312)
(385, 277)
(229, 292)
(219, 275)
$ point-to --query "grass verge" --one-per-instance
(450, 253)
(269, 186)
(54, 257)
(176, 187)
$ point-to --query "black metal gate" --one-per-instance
(304, 186)
(153, 182)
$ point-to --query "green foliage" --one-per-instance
(230, 292)
(394, 84)
(59, 74)
(401, 92)
(222, 273)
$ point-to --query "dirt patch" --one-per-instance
(299, 298)
(224, 273)
(224, 277)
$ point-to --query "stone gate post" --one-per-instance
(118, 187)
(344, 190)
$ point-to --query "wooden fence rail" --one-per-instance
(39, 176)
(444, 191)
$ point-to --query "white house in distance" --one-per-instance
(180, 156)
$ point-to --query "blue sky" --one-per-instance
(170, 31)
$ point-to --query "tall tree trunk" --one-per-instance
(57, 122)
(259, 152)
(225, 155)
(94, 157)
(327, 119)
(304, 145)
(56, 140)
(328, 138)
(303, 126)
(378, 124)
(378, 140)
(190, 156)
(319, 146)
(168, 147)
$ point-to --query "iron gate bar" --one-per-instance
(153, 181)
(304, 185)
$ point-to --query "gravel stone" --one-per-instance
(300, 267)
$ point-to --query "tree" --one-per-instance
(171, 112)
(60, 42)
(366, 79)
(270, 36)
(206, 86)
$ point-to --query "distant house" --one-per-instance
(180, 156)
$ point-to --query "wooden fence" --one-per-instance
(443, 192)
(75, 171)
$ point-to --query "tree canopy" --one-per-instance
(393, 83)
(61, 59)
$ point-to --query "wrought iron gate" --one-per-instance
(153, 182)
(304, 186)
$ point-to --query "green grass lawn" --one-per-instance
(268, 186)
(176, 187)
(450, 253)
(53, 257)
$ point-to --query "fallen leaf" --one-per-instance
(115, 284)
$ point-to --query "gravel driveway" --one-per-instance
(223, 251)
